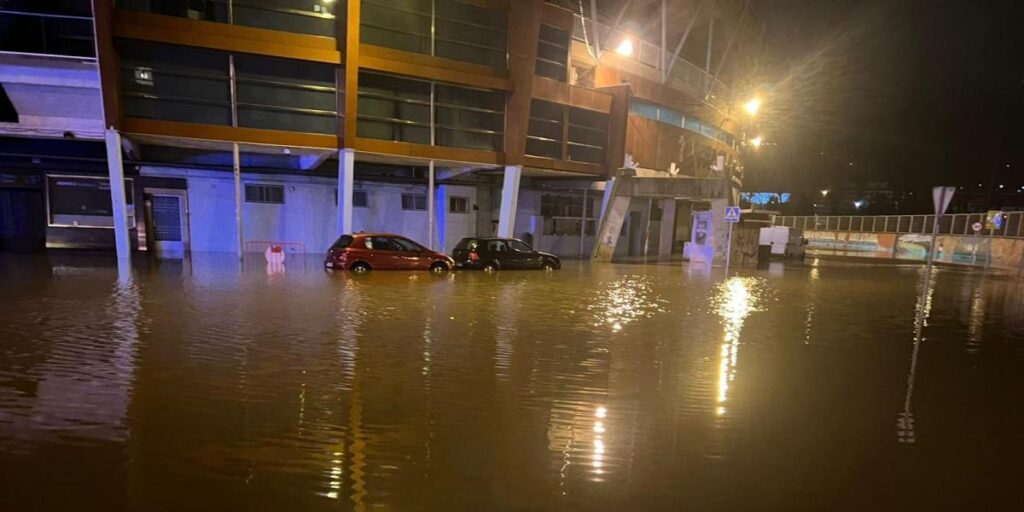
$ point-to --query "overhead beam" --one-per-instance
(732, 38)
(615, 26)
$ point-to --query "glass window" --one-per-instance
(342, 242)
(285, 94)
(552, 53)
(53, 28)
(174, 83)
(360, 199)
(380, 243)
(298, 16)
(458, 204)
(588, 135)
(643, 109)
(469, 118)
(414, 202)
(519, 246)
(393, 108)
(545, 133)
(403, 244)
(208, 10)
(273, 194)
(496, 246)
(459, 30)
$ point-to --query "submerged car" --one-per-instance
(501, 254)
(362, 252)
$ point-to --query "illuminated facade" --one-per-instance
(242, 123)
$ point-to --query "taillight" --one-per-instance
(474, 257)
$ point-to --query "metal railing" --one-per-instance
(46, 34)
(954, 224)
(716, 92)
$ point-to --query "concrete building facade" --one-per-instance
(171, 126)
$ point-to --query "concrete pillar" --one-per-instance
(236, 166)
(484, 213)
(346, 177)
(440, 201)
(614, 209)
(668, 227)
(509, 201)
(648, 215)
(719, 230)
(118, 201)
(583, 222)
(431, 228)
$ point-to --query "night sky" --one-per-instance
(914, 93)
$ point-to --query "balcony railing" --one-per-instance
(46, 34)
(957, 224)
(716, 93)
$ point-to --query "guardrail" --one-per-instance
(717, 93)
(953, 224)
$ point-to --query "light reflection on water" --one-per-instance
(199, 386)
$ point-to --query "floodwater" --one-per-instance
(205, 386)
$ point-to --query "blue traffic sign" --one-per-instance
(732, 213)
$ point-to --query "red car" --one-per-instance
(362, 252)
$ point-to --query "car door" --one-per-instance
(383, 255)
(412, 254)
(523, 255)
(496, 250)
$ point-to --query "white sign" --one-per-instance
(976, 227)
(732, 213)
(941, 196)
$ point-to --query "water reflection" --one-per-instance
(735, 301)
(226, 390)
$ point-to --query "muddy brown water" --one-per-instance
(208, 386)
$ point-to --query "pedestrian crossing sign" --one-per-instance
(732, 213)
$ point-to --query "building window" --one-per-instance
(84, 201)
(453, 29)
(414, 202)
(588, 135)
(458, 204)
(469, 118)
(52, 28)
(399, 109)
(174, 83)
(552, 53)
(272, 194)
(565, 206)
(314, 18)
(192, 85)
(360, 199)
(286, 94)
(545, 134)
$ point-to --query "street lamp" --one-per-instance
(824, 193)
(625, 48)
(752, 106)
(756, 141)
(858, 204)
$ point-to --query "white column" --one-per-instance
(346, 178)
(583, 222)
(119, 204)
(509, 201)
(236, 165)
(431, 228)
(440, 214)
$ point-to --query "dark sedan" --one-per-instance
(502, 254)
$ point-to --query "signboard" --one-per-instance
(732, 213)
(994, 220)
(941, 196)
(976, 227)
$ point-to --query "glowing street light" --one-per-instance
(858, 204)
(824, 193)
(752, 106)
(756, 141)
(625, 47)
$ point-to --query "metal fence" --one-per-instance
(956, 224)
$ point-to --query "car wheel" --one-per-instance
(490, 266)
(359, 267)
(548, 265)
(439, 267)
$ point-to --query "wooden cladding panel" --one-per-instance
(432, 68)
(559, 92)
(425, 152)
(228, 133)
(220, 36)
(563, 165)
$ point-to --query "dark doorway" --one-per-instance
(22, 220)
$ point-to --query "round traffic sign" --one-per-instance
(976, 227)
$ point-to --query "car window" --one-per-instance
(519, 246)
(379, 243)
(342, 242)
(468, 244)
(496, 246)
(401, 244)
